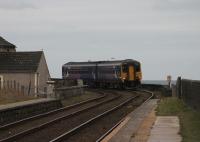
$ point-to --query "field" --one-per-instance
(189, 119)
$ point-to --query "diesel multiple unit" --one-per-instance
(120, 73)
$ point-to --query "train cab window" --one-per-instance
(125, 68)
(137, 67)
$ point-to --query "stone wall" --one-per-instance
(66, 92)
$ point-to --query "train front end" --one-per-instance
(131, 74)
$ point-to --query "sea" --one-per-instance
(158, 82)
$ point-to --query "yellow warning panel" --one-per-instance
(131, 73)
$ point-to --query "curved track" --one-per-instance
(101, 125)
(67, 124)
(14, 131)
(117, 124)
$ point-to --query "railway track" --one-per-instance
(22, 121)
(97, 128)
(76, 129)
(68, 124)
(120, 121)
(14, 131)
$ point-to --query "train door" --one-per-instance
(124, 73)
(131, 73)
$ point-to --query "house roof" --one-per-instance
(4, 43)
(21, 62)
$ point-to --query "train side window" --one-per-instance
(117, 70)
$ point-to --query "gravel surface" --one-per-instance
(59, 128)
(98, 128)
(88, 94)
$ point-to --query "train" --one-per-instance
(115, 74)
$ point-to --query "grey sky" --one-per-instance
(163, 34)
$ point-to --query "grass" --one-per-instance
(12, 97)
(75, 99)
(189, 119)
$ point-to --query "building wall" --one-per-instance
(43, 75)
(7, 49)
(27, 83)
(22, 82)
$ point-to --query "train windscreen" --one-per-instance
(137, 67)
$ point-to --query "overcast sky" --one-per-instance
(162, 34)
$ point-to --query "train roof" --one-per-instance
(102, 62)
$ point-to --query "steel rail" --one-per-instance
(76, 129)
(36, 128)
(117, 124)
(110, 130)
(50, 112)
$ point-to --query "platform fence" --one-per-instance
(189, 92)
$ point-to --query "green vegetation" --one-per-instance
(75, 99)
(189, 119)
(170, 106)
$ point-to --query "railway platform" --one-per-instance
(165, 129)
(19, 110)
(23, 103)
(142, 125)
(127, 130)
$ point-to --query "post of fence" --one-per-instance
(179, 87)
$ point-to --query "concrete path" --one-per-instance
(127, 130)
(165, 129)
(144, 130)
